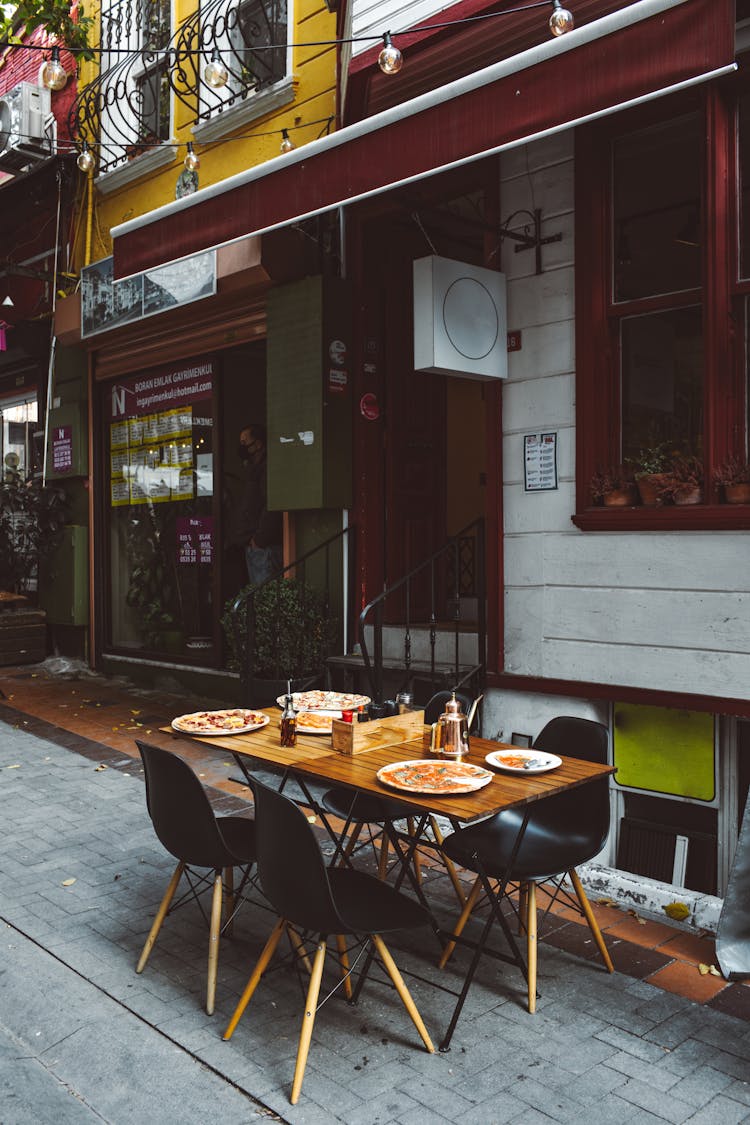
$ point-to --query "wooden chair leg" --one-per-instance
(448, 863)
(402, 990)
(228, 900)
(308, 1019)
(415, 859)
(530, 919)
(213, 942)
(463, 918)
(589, 915)
(383, 862)
(299, 947)
(161, 914)
(268, 951)
(344, 961)
(350, 844)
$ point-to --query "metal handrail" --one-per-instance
(374, 666)
(247, 598)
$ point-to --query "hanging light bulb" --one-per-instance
(85, 159)
(54, 75)
(192, 161)
(287, 144)
(561, 19)
(390, 59)
(216, 74)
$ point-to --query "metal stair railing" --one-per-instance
(430, 569)
(242, 611)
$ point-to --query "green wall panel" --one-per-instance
(665, 751)
(309, 395)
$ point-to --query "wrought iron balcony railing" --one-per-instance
(126, 109)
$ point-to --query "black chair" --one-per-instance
(320, 900)
(562, 832)
(368, 808)
(184, 821)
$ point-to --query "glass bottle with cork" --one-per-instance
(288, 735)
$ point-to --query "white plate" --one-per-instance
(429, 775)
(538, 760)
(255, 720)
(329, 702)
(326, 728)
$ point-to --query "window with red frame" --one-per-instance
(661, 356)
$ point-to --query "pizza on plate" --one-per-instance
(235, 720)
(434, 776)
(314, 722)
(318, 700)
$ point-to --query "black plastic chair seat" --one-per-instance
(548, 847)
(368, 808)
(369, 906)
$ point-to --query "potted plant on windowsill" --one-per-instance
(614, 487)
(684, 480)
(652, 465)
(734, 477)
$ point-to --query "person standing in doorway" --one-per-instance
(256, 529)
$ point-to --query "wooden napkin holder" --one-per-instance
(354, 738)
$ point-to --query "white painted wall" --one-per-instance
(665, 610)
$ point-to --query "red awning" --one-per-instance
(645, 49)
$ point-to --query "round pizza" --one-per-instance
(435, 776)
(318, 700)
(235, 720)
(316, 722)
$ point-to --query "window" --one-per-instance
(251, 39)
(662, 304)
(133, 92)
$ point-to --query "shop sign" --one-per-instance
(540, 462)
(62, 449)
(151, 433)
(195, 539)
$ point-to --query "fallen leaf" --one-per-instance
(134, 712)
(17, 766)
(676, 910)
(702, 969)
(714, 971)
(603, 901)
(68, 882)
(99, 768)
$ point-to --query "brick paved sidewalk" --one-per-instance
(600, 1048)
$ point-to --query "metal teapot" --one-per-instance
(449, 736)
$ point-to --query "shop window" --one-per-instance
(661, 324)
(161, 542)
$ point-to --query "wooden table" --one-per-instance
(313, 758)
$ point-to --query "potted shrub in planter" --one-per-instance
(614, 487)
(32, 516)
(734, 477)
(651, 468)
(277, 632)
(684, 480)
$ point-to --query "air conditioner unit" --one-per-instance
(24, 111)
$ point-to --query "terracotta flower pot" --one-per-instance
(737, 493)
(689, 494)
(621, 497)
(650, 486)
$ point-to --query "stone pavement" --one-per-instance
(83, 1038)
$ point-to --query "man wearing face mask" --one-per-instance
(257, 530)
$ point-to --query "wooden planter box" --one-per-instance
(23, 634)
(353, 738)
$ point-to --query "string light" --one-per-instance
(192, 161)
(561, 19)
(54, 75)
(287, 144)
(216, 74)
(390, 59)
(85, 159)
